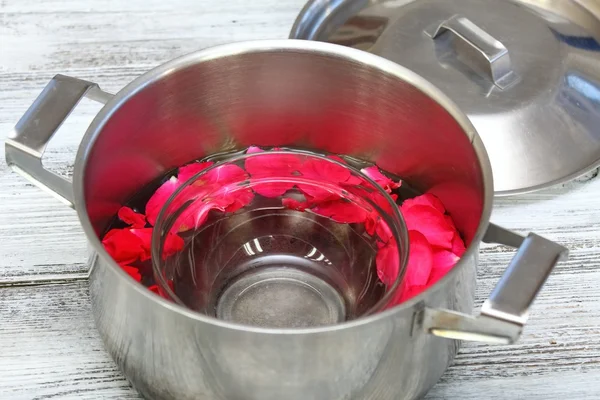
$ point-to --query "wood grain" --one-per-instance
(50, 347)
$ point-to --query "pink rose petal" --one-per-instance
(388, 263)
(294, 204)
(132, 218)
(189, 170)
(458, 246)
(318, 194)
(375, 174)
(272, 165)
(341, 211)
(195, 215)
(426, 199)
(443, 261)
(409, 292)
(166, 190)
(271, 189)
(420, 260)
(324, 170)
(240, 199)
(224, 174)
(159, 198)
(431, 223)
(254, 149)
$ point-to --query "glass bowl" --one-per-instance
(281, 239)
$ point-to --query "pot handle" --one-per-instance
(26, 144)
(505, 312)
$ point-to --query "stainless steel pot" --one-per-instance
(282, 93)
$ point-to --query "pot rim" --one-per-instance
(260, 46)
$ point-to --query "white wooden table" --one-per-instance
(49, 347)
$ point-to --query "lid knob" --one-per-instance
(489, 54)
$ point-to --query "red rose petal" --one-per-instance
(431, 223)
(123, 246)
(341, 211)
(132, 218)
(426, 199)
(420, 260)
(154, 289)
(173, 243)
(133, 272)
(375, 174)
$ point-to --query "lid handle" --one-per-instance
(489, 54)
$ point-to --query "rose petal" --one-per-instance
(166, 190)
(341, 211)
(173, 243)
(431, 223)
(154, 289)
(163, 293)
(224, 174)
(426, 199)
(294, 204)
(123, 246)
(254, 149)
(374, 222)
(271, 190)
(189, 170)
(420, 260)
(375, 174)
(458, 246)
(324, 170)
(337, 158)
(195, 215)
(159, 198)
(272, 165)
(318, 194)
(240, 199)
(383, 230)
(411, 291)
(133, 272)
(443, 261)
(131, 217)
(388, 263)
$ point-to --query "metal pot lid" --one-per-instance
(526, 72)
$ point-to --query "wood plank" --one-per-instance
(51, 348)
